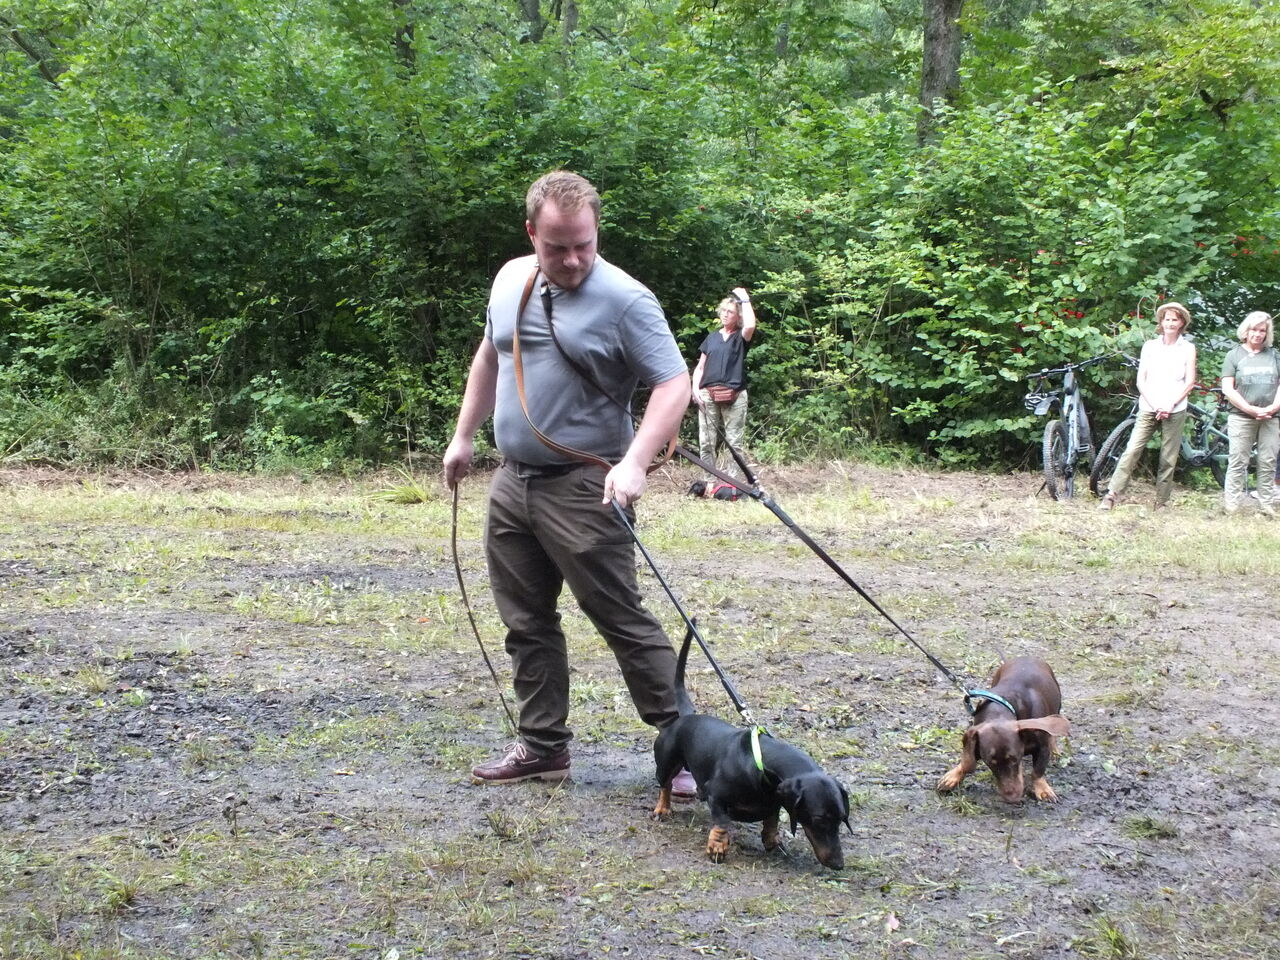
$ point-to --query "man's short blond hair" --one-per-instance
(568, 191)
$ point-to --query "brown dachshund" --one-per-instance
(1002, 739)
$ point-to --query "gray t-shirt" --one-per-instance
(611, 325)
(1257, 375)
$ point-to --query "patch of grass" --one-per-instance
(509, 824)
(961, 804)
(1145, 696)
(207, 753)
(1146, 827)
(409, 490)
(1051, 878)
(118, 893)
(350, 733)
(324, 604)
(93, 680)
(134, 698)
(1108, 940)
(937, 740)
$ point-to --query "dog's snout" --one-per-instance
(826, 849)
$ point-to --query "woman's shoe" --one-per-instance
(1108, 501)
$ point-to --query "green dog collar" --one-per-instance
(755, 746)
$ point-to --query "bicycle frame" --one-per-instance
(1075, 418)
(1068, 440)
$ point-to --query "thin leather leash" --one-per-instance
(590, 458)
(572, 452)
(466, 603)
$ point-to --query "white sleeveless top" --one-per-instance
(1165, 367)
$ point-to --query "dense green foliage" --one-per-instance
(245, 234)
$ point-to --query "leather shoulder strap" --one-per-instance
(567, 451)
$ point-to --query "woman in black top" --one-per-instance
(720, 381)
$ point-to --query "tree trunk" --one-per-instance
(404, 38)
(529, 10)
(569, 21)
(940, 66)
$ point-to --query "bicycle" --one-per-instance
(1206, 447)
(1068, 441)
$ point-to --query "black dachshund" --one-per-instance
(749, 782)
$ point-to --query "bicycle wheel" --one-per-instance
(1056, 477)
(1113, 448)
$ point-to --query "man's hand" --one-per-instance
(625, 483)
(477, 404)
(668, 401)
(457, 461)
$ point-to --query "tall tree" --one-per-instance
(404, 35)
(940, 65)
(536, 24)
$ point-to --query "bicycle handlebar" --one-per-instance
(1049, 372)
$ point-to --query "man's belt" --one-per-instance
(528, 471)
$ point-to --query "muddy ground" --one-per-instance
(237, 718)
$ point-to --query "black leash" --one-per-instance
(739, 704)
(466, 603)
(755, 492)
(971, 694)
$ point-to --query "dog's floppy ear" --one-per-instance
(844, 796)
(971, 741)
(1055, 725)
(789, 792)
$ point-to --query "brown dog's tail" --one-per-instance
(683, 704)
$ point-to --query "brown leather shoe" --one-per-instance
(521, 763)
(1108, 501)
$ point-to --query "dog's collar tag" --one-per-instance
(986, 695)
(755, 746)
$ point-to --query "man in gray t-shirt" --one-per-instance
(550, 519)
(610, 325)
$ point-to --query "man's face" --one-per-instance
(565, 244)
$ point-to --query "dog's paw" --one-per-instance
(663, 809)
(718, 844)
(950, 780)
(1040, 787)
(769, 836)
